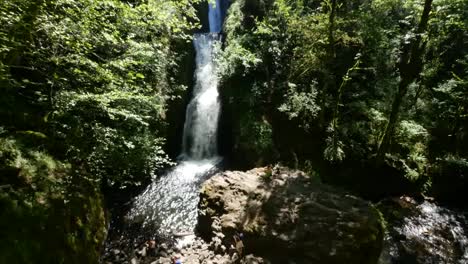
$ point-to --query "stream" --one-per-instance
(423, 233)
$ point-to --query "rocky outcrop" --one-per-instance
(285, 216)
(423, 233)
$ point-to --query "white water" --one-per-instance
(169, 205)
(201, 121)
(437, 232)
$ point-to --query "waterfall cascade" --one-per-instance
(169, 205)
(201, 121)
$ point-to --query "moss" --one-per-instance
(268, 174)
(57, 232)
(383, 221)
(49, 213)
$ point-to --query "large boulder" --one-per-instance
(288, 217)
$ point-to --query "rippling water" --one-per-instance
(169, 204)
(426, 233)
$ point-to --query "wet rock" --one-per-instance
(164, 246)
(163, 254)
(142, 253)
(152, 244)
(423, 233)
(164, 261)
(284, 216)
(251, 259)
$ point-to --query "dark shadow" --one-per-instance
(291, 217)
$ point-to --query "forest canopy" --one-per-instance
(379, 83)
(371, 95)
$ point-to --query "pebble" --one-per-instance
(200, 252)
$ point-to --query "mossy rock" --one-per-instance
(49, 214)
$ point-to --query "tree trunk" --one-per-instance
(410, 67)
(393, 119)
(331, 29)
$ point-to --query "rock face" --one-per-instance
(423, 233)
(287, 217)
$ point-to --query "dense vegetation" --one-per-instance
(369, 94)
(369, 91)
(85, 88)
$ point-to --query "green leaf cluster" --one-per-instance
(95, 77)
(85, 89)
(329, 70)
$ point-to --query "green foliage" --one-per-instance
(85, 89)
(31, 169)
(302, 74)
(256, 140)
(334, 149)
(46, 210)
(449, 178)
(235, 57)
(268, 174)
(412, 141)
(112, 134)
(301, 104)
(96, 83)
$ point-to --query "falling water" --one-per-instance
(201, 121)
(169, 205)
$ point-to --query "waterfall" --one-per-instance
(169, 204)
(201, 122)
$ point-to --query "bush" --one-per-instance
(47, 210)
(450, 179)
